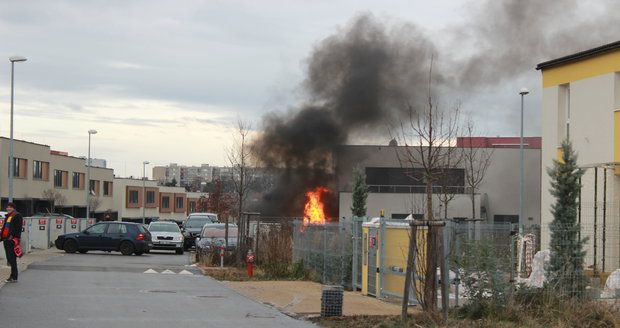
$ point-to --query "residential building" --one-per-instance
(190, 175)
(393, 190)
(42, 174)
(137, 199)
(581, 102)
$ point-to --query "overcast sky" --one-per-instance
(164, 80)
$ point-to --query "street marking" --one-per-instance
(167, 272)
(186, 272)
(150, 271)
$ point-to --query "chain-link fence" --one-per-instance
(325, 250)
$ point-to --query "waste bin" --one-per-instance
(40, 232)
(25, 241)
(57, 228)
(331, 301)
(72, 225)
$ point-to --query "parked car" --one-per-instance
(166, 235)
(125, 237)
(212, 237)
(193, 226)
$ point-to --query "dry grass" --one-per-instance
(232, 273)
(567, 315)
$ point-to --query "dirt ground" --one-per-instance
(304, 298)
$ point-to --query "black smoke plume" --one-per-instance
(362, 77)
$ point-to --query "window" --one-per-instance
(117, 228)
(150, 197)
(40, 170)
(192, 206)
(165, 202)
(97, 229)
(179, 202)
(410, 180)
(60, 178)
(513, 219)
(94, 187)
(77, 180)
(133, 197)
(107, 188)
(19, 167)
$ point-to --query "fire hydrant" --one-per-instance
(249, 260)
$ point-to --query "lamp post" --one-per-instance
(523, 92)
(13, 60)
(90, 133)
(144, 190)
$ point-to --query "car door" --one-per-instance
(93, 237)
(116, 233)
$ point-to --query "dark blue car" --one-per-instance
(127, 238)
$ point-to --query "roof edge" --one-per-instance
(579, 55)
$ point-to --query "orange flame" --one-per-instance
(314, 211)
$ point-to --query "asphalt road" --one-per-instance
(110, 290)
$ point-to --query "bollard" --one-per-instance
(221, 256)
(249, 260)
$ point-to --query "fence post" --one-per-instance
(354, 258)
(382, 254)
(341, 238)
(445, 276)
(324, 252)
(457, 278)
(595, 219)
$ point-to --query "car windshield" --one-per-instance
(199, 221)
(164, 228)
(219, 232)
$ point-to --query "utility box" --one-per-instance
(40, 232)
(72, 225)
(57, 228)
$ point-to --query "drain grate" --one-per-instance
(211, 296)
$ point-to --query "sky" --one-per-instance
(165, 81)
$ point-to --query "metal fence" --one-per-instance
(326, 250)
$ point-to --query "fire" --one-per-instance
(314, 211)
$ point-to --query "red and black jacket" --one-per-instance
(14, 226)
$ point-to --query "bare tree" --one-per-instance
(54, 198)
(95, 202)
(427, 137)
(448, 187)
(242, 174)
(476, 161)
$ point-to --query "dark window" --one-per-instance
(75, 180)
(179, 202)
(411, 180)
(150, 197)
(107, 188)
(514, 219)
(192, 206)
(59, 178)
(37, 170)
(165, 202)
(133, 197)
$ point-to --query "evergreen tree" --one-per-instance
(360, 193)
(565, 270)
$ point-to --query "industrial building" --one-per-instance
(393, 191)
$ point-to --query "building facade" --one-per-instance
(43, 176)
(392, 189)
(581, 102)
(137, 199)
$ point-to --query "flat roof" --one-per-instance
(579, 55)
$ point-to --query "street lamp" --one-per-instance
(523, 92)
(13, 60)
(144, 190)
(88, 190)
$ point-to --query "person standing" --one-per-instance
(10, 234)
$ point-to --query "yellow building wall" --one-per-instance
(594, 66)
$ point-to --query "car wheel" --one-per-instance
(139, 253)
(126, 248)
(179, 251)
(83, 251)
(70, 246)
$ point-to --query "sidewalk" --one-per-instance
(23, 263)
(304, 298)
